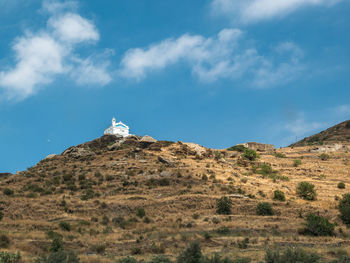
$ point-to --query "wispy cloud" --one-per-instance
(41, 56)
(343, 110)
(224, 56)
(250, 11)
(297, 125)
(300, 126)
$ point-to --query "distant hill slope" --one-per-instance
(335, 134)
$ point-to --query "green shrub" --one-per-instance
(318, 226)
(223, 206)
(147, 220)
(280, 155)
(65, 226)
(306, 191)
(324, 157)
(4, 241)
(341, 185)
(296, 162)
(237, 148)
(264, 209)
(56, 244)
(89, 194)
(127, 260)
(341, 259)
(105, 220)
(207, 236)
(109, 178)
(59, 257)
(347, 125)
(192, 254)
(223, 230)
(279, 196)
(265, 169)
(204, 177)
(67, 177)
(250, 154)
(8, 192)
(6, 257)
(160, 259)
(1, 214)
(140, 212)
(344, 208)
(243, 244)
(217, 155)
(120, 222)
(99, 248)
(291, 255)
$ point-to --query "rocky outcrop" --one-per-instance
(78, 151)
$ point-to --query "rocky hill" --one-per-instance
(339, 133)
(116, 197)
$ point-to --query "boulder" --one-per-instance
(50, 156)
(165, 160)
(148, 139)
(199, 150)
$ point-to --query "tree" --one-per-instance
(264, 209)
(140, 212)
(223, 206)
(192, 254)
(250, 154)
(279, 196)
(306, 191)
(318, 226)
(344, 208)
(341, 185)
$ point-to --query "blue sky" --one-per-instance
(214, 72)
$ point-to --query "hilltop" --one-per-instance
(339, 133)
(113, 197)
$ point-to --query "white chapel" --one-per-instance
(117, 128)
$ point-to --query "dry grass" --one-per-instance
(171, 208)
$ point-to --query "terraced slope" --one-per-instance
(101, 188)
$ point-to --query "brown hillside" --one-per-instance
(337, 134)
(100, 187)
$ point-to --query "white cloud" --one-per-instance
(87, 72)
(72, 28)
(248, 11)
(210, 59)
(50, 52)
